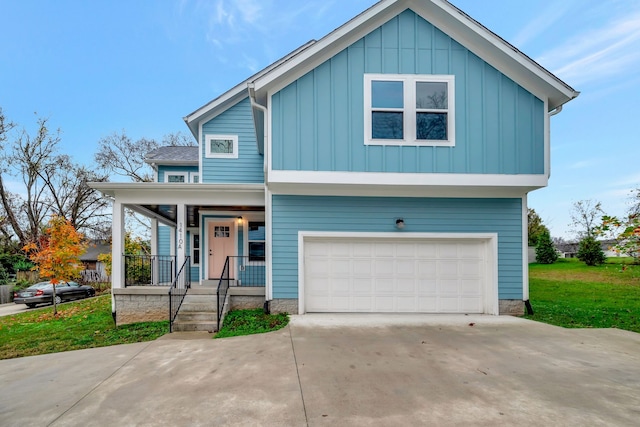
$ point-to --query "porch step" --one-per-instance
(198, 311)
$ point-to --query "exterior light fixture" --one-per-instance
(239, 220)
(399, 223)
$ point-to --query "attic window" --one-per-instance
(221, 146)
(409, 109)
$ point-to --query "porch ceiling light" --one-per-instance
(399, 223)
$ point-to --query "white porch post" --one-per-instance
(117, 249)
(181, 234)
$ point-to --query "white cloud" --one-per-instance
(611, 50)
(542, 22)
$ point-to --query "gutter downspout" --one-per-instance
(555, 111)
(254, 104)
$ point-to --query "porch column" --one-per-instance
(181, 234)
(117, 249)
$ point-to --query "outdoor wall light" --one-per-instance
(399, 223)
(239, 220)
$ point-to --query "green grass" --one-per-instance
(83, 324)
(574, 295)
(248, 322)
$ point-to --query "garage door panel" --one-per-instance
(395, 275)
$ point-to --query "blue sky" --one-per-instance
(95, 67)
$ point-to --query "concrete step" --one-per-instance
(199, 303)
(197, 316)
(195, 326)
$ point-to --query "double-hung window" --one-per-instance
(256, 241)
(175, 176)
(409, 109)
(195, 249)
(221, 146)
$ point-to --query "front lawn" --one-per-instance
(83, 324)
(574, 295)
(248, 322)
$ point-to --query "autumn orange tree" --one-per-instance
(57, 254)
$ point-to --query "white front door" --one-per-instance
(221, 242)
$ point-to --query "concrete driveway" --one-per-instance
(339, 370)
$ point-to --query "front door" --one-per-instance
(221, 245)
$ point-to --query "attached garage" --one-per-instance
(407, 273)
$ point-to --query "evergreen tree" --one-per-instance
(590, 252)
(545, 250)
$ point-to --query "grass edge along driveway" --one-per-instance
(573, 295)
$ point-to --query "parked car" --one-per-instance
(42, 293)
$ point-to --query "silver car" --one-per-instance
(42, 293)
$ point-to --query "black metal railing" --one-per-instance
(178, 290)
(223, 288)
(149, 270)
(245, 272)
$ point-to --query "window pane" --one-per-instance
(196, 257)
(387, 94)
(196, 240)
(256, 231)
(221, 146)
(256, 251)
(432, 126)
(432, 95)
(176, 178)
(196, 179)
(385, 125)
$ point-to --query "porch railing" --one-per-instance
(244, 272)
(149, 270)
(178, 290)
(223, 288)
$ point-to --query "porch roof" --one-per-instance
(160, 200)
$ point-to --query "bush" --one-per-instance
(590, 252)
(545, 251)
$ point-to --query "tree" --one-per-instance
(535, 227)
(57, 255)
(132, 246)
(625, 230)
(590, 252)
(545, 250)
(51, 184)
(585, 218)
(119, 154)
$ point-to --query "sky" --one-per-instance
(103, 66)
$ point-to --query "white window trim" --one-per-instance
(409, 109)
(192, 176)
(210, 155)
(183, 174)
(192, 233)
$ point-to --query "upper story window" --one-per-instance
(175, 177)
(409, 109)
(221, 146)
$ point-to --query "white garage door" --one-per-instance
(396, 275)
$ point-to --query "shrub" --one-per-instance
(545, 251)
(590, 252)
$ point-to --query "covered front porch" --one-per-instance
(203, 237)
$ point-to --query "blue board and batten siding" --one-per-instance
(371, 214)
(249, 166)
(318, 120)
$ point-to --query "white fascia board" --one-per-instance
(403, 185)
(446, 17)
(156, 163)
(173, 193)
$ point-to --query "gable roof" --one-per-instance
(183, 155)
(493, 49)
(233, 95)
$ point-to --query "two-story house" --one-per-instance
(383, 168)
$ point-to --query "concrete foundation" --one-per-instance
(141, 304)
(284, 305)
(511, 307)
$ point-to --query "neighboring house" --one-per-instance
(570, 249)
(94, 270)
(383, 168)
